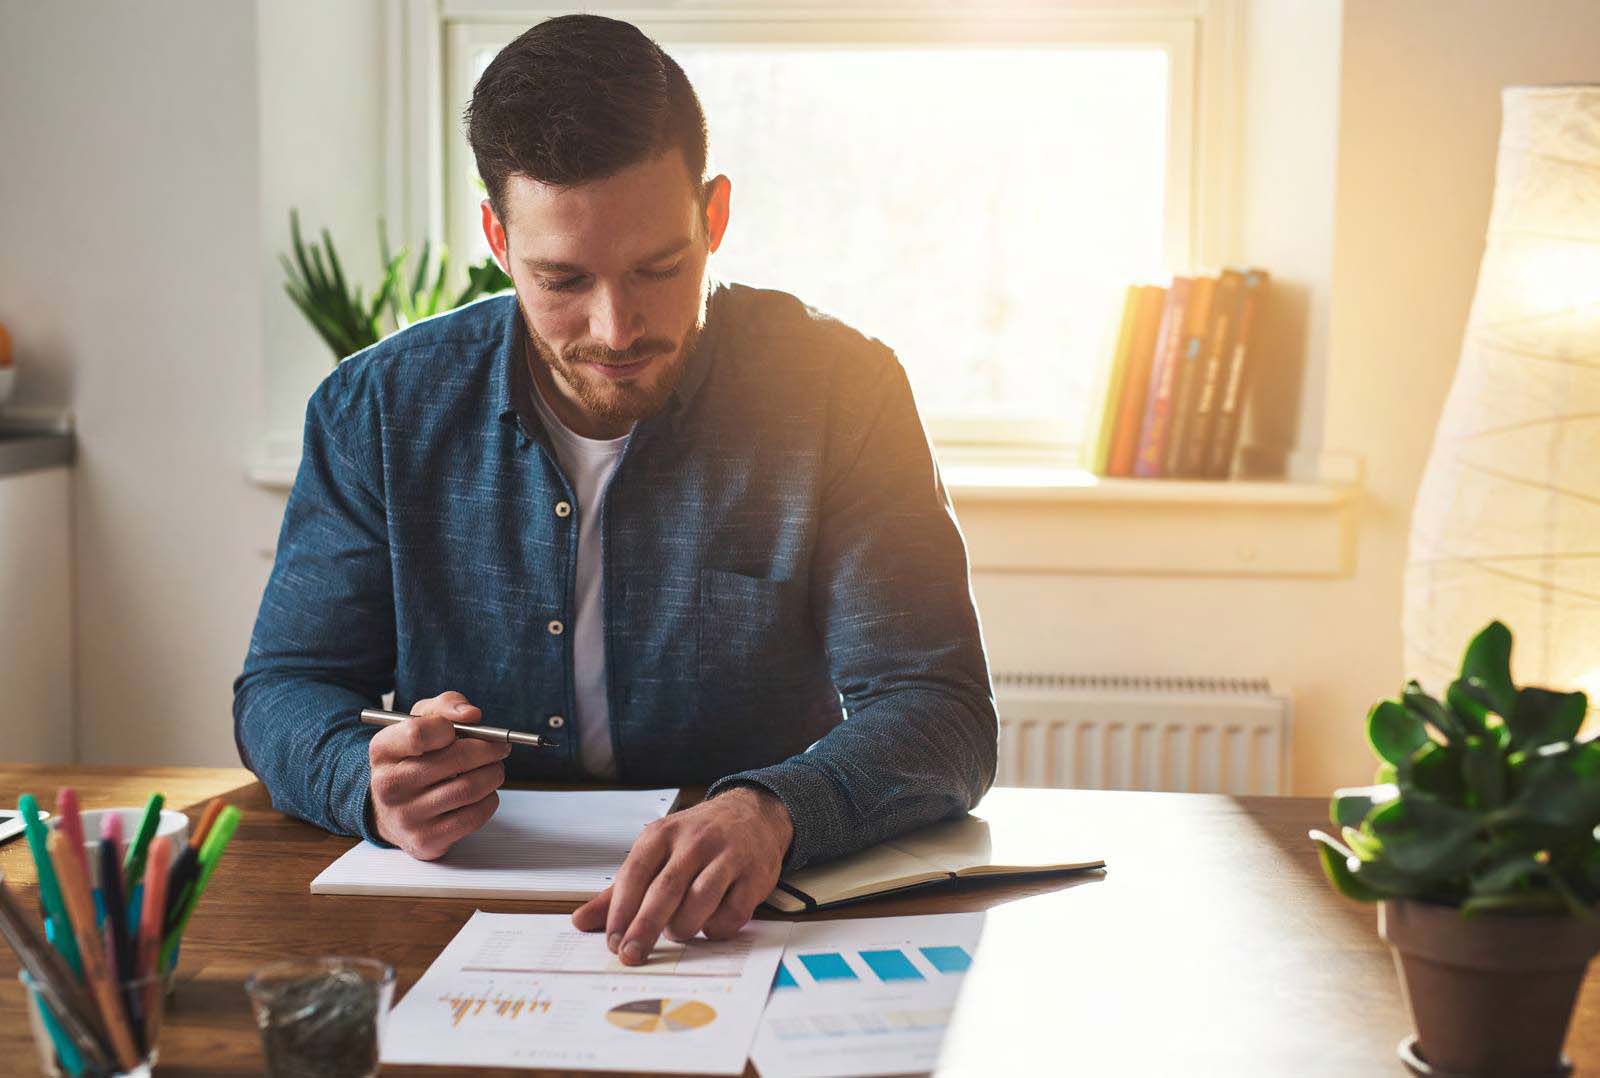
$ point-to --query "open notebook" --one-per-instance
(560, 845)
(998, 838)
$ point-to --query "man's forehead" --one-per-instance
(633, 214)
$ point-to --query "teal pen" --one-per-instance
(54, 914)
(55, 910)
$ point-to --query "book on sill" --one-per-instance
(969, 847)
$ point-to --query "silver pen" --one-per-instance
(500, 735)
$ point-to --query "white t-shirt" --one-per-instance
(589, 464)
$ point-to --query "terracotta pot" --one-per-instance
(1489, 995)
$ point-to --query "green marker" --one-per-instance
(133, 864)
(210, 853)
(49, 889)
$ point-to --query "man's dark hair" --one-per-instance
(579, 98)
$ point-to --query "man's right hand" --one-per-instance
(430, 789)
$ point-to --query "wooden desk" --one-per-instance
(1211, 946)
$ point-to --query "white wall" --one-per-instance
(146, 178)
(130, 279)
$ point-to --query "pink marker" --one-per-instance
(111, 831)
(72, 825)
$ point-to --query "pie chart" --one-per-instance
(661, 1015)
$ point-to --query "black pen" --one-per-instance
(500, 735)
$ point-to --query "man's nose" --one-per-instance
(614, 321)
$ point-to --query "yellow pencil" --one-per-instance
(80, 911)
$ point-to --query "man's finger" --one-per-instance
(738, 906)
(591, 916)
(451, 706)
(414, 774)
(464, 789)
(644, 860)
(414, 737)
(661, 901)
(436, 837)
(700, 901)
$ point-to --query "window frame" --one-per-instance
(428, 45)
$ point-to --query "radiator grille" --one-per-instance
(1106, 732)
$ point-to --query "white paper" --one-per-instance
(561, 845)
(868, 997)
(529, 990)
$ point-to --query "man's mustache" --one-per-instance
(640, 350)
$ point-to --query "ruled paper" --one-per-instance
(561, 845)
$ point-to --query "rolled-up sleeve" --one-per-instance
(892, 599)
(324, 641)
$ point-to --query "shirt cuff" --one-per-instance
(817, 808)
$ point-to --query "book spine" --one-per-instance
(1163, 373)
(1101, 456)
(1230, 406)
(1198, 436)
(1130, 409)
(1201, 294)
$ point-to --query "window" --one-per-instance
(977, 193)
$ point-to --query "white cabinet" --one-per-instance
(36, 704)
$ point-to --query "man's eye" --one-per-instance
(664, 274)
(565, 284)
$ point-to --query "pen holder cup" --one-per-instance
(321, 1015)
(169, 976)
(61, 1055)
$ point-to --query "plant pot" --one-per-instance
(1489, 995)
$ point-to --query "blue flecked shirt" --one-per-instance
(786, 593)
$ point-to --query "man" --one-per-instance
(670, 522)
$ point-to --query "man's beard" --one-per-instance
(611, 400)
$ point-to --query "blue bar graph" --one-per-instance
(784, 979)
(947, 959)
(891, 965)
(828, 966)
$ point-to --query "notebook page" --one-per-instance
(541, 844)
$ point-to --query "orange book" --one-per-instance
(1235, 379)
(1219, 339)
(1136, 381)
(1152, 452)
(1197, 326)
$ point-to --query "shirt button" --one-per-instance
(556, 722)
(563, 509)
(556, 628)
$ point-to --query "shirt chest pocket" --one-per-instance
(755, 635)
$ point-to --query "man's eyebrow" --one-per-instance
(547, 266)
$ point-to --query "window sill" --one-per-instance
(1041, 518)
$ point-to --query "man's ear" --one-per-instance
(718, 194)
(496, 235)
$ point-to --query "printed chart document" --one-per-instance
(529, 990)
(865, 997)
(541, 844)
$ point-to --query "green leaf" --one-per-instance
(1483, 768)
(1542, 717)
(1469, 703)
(1426, 838)
(1488, 659)
(1351, 805)
(1430, 711)
(1507, 874)
(1395, 732)
(1529, 902)
(1363, 845)
(1436, 771)
(1559, 785)
(1337, 865)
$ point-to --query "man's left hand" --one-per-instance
(705, 868)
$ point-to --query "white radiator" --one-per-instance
(1200, 735)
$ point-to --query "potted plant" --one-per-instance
(348, 322)
(1481, 845)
